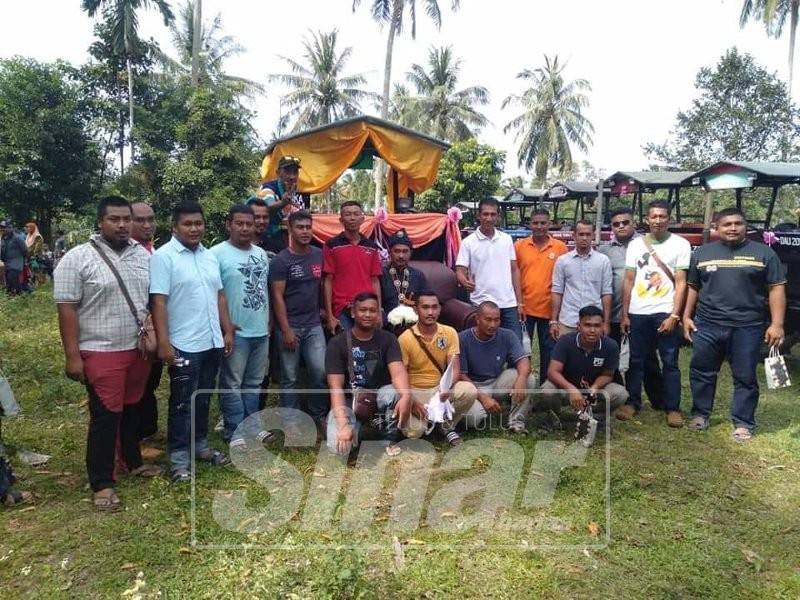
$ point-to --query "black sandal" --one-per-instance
(214, 457)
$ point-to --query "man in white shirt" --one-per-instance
(652, 300)
(487, 267)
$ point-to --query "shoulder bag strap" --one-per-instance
(659, 262)
(122, 287)
(427, 352)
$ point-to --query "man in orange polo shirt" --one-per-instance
(536, 257)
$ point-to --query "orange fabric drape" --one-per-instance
(326, 154)
(422, 229)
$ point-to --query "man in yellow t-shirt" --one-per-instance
(428, 348)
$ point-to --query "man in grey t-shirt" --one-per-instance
(13, 254)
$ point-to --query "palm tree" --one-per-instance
(125, 30)
(320, 91)
(390, 12)
(450, 113)
(207, 65)
(774, 14)
(403, 109)
(551, 120)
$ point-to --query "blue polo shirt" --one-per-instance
(192, 281)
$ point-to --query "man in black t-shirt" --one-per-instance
(582, 365)
(730, 282)
(366, 362)
(295, 275)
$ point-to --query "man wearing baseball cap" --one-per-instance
(282, 198)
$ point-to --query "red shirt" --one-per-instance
(351, 267)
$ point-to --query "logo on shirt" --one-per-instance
(441, 343)
(316, 271)
(254, 292)
(598, 362)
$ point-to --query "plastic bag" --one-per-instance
(624, 354)
(8, 404)
(776, 371)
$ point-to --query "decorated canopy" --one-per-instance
(328, 151)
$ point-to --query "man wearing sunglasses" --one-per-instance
(622, 227)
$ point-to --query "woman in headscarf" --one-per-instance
(35, 243)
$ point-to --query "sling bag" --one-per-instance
(146, 343)
(659, 262)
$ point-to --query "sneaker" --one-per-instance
(698, 423)
(265, 437)
(626, 412)
(674, 418)
(742, 434)
(453, 439)
(517, 428)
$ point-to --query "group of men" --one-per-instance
(221, 313)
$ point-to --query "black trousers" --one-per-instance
(653, 379)
(148, 405)
(102, 440)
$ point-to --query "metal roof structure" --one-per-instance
(570, 190)
(529, 194)
(766, 174)
(652, 180)
(368, 119)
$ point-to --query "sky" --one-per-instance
(640, 56)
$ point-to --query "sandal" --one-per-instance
(215, 457)
(742, 434)
(106, 500)
(393, 450)
(181, 476)
(698, 423)
(14, 497)
(147, 471)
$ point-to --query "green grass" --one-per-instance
(693, 515)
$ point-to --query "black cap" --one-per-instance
(400, 237)
(288, 162)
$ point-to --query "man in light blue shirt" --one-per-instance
(244, 268)
(581, 278)
(190, 316)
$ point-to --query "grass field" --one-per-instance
(692, 515)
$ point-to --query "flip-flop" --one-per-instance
(698, 423)
(147, 471)
(107, 503)
(742, 434)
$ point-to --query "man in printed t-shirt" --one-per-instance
(730, 281)
(244, 269)
(652, 302)
(295, 276)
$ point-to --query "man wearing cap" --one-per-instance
(13, 255)
(400, 283)
(282, 199)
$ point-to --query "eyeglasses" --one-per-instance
(621, 223)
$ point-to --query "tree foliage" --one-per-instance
(216, 163)
(468, 171)
(551, 120)
(743, 112)
(441, 109)
(47, 158)
(320, 91)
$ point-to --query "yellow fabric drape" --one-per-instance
(326, 154)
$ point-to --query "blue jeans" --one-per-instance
(199, 374)
(509, 318)
(240, 376)
(741, 347)
(311, 347)
(385, 401)
(546, 341)
(644, 337)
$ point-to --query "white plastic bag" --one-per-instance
(776, 371)
(624, 354)
(8, 404)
